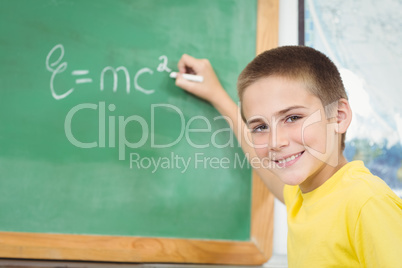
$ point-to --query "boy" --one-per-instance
(294, 103)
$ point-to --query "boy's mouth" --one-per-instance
(289, 160)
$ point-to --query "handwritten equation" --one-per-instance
(83, 76)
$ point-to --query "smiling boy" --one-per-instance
(295, 106)
(277, 109)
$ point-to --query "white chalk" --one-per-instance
(190, 77)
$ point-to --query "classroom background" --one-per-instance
(91, 191)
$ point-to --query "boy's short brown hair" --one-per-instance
(305, 64)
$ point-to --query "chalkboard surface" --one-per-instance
(95, 137)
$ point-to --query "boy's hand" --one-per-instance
(210, 89)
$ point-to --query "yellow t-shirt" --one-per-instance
(353, 220)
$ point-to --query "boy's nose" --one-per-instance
(279, 139)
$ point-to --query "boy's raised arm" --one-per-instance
(212, 91)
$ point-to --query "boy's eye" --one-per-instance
(292, 118)
(260, 128)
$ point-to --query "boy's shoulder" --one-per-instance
(360, 186)
(362, 182)
(353, 185)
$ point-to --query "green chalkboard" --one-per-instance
(95, 137)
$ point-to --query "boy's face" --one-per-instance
(290, 131)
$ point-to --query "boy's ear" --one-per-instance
(344, 115)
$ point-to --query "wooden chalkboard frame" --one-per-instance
(162, 250)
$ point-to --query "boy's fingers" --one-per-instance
(186, 62)
(185, 84)
(181, 82)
